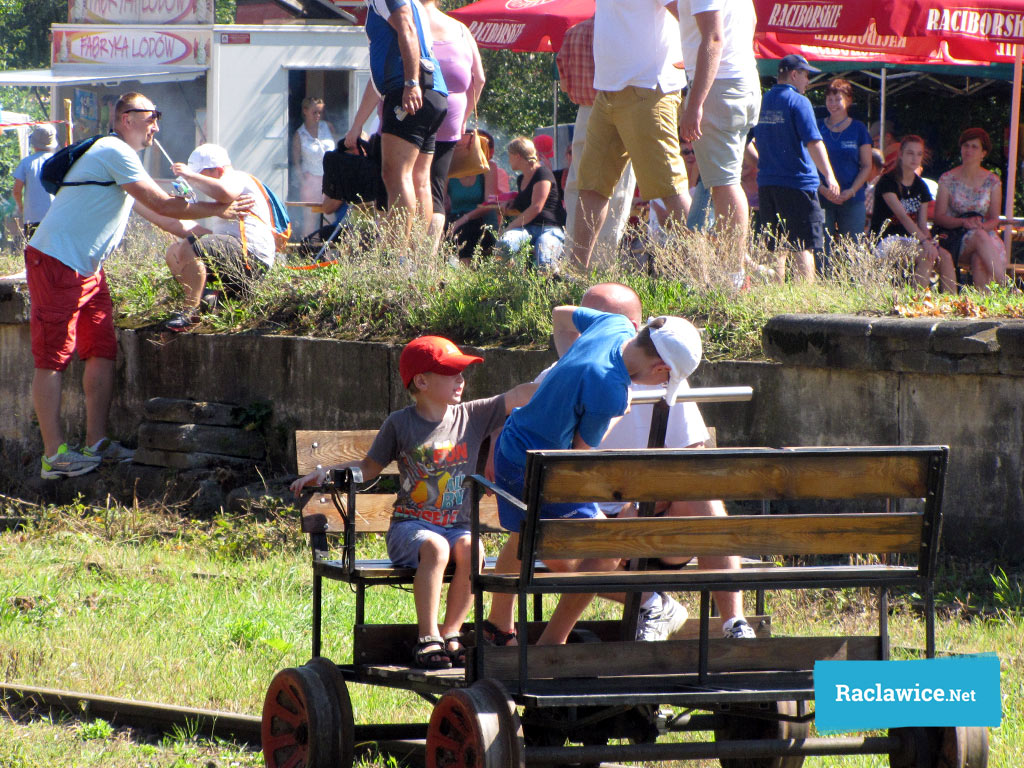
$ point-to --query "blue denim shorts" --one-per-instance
(510, 477)
(405, 537)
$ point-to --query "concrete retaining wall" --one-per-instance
(838, 381)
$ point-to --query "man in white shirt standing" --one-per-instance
(722, 102)
(634, 117)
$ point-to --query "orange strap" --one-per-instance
(314, 266)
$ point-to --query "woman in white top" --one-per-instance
(311, 142)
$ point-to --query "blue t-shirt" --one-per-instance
(844, 152)
(582, 393)
(782, 132)
(386, 67)
(85, 224)
(35, 200)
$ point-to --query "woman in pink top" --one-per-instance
(967, 207)
(463, 72)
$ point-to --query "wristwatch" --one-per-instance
(412, 83)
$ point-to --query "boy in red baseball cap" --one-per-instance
(435, 442)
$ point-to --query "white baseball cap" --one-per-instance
(679, 347)
(208, 156)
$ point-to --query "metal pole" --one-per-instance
(881, 119)
(554, 118)
(1011, 171)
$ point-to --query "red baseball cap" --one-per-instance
(544, 144)
(432, 354)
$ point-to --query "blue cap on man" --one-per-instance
(795, 61)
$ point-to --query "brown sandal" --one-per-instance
(455, 649)
(495, 636)
(431, 654)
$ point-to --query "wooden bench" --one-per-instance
(905, 537)
(342, 510)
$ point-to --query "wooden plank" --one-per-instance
(764, 473)
(373, 513)
(330, 447)
(689, 580)
(626, 659)
(392, 643)
(738, 534)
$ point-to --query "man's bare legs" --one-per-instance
(732, 218)
(406, 173)
(188, 270)
(98, 384)
(591, 210)
(803, 265)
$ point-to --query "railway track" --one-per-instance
(405, 742)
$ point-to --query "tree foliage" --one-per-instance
(518, 97)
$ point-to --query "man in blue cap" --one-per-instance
(792, 155)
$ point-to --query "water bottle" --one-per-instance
(181, 188)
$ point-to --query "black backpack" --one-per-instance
(355, 178)
(56, 167)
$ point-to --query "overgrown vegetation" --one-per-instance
(139, 603)
(362, 291)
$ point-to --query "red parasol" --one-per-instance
(523, 25)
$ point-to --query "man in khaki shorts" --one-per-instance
(634, 117)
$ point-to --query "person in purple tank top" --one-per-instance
(463, 72)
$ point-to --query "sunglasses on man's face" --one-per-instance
(157, 114)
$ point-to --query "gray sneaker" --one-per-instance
(67, 463)
(109, 451)
(662, 622)
(738, 629)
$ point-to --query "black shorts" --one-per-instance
(439, 166)
(794, 218)
(419, 129)
(223, 254)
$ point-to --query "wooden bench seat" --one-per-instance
(884, 537)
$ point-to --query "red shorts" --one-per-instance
(68, 313)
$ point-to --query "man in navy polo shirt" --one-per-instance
(408, 76)
(791, 156)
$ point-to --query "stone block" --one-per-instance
(185, 438)
(897, 334)
(190, 412)
(155, 457)
(14, 303)
(965, 337)
(821, 341)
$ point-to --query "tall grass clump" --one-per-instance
(366, 287)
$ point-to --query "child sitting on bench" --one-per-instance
(579, 399)
(435, 442)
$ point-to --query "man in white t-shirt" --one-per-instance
(722, 103)
(634, 117)
(660, 614)
(71, 306)
(240, 251)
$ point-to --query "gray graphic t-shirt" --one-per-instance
(434, 457)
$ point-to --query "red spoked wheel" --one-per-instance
(475, 727)
(299, 721)
(738, 727)
(337, 691)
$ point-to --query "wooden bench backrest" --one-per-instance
(741, 474)
(373, 509)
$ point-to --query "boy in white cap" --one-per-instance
(580, 398)
(238, 250)
(32, 200)
(435, 442)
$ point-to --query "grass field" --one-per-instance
(146, 604)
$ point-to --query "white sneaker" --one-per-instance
(67, 463)
(738, 629)
(109, 451)
(661, 622)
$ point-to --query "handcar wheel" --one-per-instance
(737, 727)
(336, 686)
(299, 721)
(941, 748)
(475, 727)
